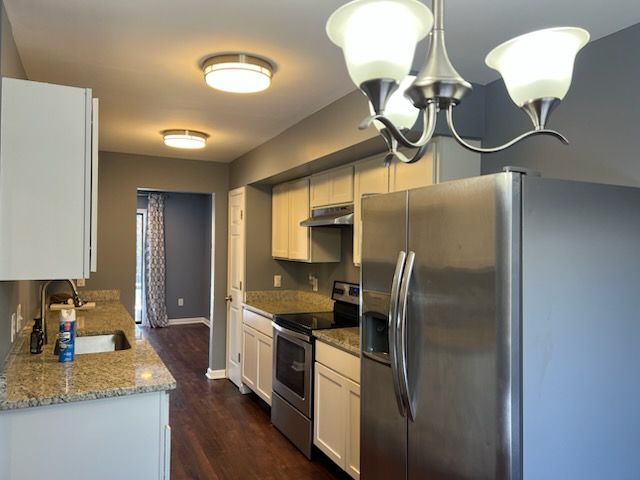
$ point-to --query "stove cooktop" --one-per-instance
(345, 312)
(307, 322)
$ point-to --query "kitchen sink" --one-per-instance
(98, 343)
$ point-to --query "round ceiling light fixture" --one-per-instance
(237, 73)
(188, 139)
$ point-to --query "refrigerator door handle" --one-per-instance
(393, 331)
(402, 333)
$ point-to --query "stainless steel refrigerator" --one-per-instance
(501, 331)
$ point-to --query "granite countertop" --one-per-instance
(36, 380)
(274, 302)
(347, 339)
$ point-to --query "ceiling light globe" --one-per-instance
(238, 73)
(379, 37)
(538, 64)
(400, 110)
(185, 139)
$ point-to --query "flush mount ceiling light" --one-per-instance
(238, 73)
(379, 38)
(188, 139)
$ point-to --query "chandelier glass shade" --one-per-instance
(399, 108)
(538, 64)
(379, 38)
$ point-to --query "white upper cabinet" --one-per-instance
(298, 212)
(371, 177)
(48, 181)
(280, 221)
(332, 187)
(444, 160)
(290, 241)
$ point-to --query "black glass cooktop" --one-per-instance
(307, 322)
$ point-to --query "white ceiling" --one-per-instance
(142, 58)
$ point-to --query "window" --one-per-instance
(141, 223)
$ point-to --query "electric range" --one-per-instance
(293, 359)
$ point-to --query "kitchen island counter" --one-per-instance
(37, 380)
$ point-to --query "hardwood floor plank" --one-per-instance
(218, 433)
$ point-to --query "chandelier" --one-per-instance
(379, 38)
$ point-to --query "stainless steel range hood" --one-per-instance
(330, 217)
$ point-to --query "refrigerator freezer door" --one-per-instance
(459, 336)
(383, 452)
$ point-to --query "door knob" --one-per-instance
(228, 298)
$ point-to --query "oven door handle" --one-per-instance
(291, 333)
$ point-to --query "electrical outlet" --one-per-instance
(81, 282)
(13, 327)
(181, 302)
(313, 281)
(277, 281)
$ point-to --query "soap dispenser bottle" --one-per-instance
(37, 337)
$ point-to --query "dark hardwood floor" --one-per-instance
(218, 433)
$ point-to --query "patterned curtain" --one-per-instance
(154, 263)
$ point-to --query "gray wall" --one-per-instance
(261, 267)
(331, 137)
(13, 293)
(325, 139)
(602, 126)
(187, 223)
(120, 176)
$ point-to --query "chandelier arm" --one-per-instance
(429, 117)
(518, 139)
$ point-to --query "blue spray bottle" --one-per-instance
(67, 335)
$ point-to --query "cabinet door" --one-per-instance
(371, 176)
(352, 460)
(341, 185)
(320, 189)
(298, 211)
(45, 169)
(405, 176)
(329, 427)
(265, 367)
(93, 207)
(280, 221)
(249, 357)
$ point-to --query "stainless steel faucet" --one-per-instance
(77, 301)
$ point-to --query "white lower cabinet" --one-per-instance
(249, 357)
(120, 437)
(257, 354)
(336, 427)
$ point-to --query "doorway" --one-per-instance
(186, 234)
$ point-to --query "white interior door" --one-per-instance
(235, 283)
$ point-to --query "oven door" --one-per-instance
(293, 367)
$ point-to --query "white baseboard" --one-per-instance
(216, 374)
(189, 321)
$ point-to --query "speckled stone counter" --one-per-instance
(274, 302)
(35, 380)
(347, 339)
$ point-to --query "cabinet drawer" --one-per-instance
(342, 362)
(257, 322)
